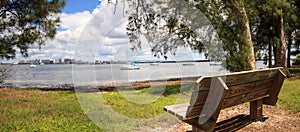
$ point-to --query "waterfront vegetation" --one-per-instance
(36, 110)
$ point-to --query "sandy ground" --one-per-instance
(276, 119)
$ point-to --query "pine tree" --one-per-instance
(269, 27)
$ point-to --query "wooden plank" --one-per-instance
(237, 78)
(250, 77)
(211, 109)
(274, 91)
(249, 87)
(179, 110)
(233, 101)
(194, 111)
(199, 98)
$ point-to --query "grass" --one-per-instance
(289, 96)
(148, 103)
(35, 110)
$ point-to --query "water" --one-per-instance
(66, 75)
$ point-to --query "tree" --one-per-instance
(232, 23)
(292, 27)
(270, 20)
(237, 6)
(27, 22)
(167, 25)
(237, 42)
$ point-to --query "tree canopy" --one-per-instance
(244, 26)
(27, 22)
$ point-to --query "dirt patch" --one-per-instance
(277, 119)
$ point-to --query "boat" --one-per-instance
(188, 64)
(154, 64)
(32, 66)
(131, 66)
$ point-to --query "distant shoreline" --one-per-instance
(107, 62)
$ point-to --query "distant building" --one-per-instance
(36, 61)
(67, 61)
(73, 61)
(21, 62)
(58, 61)
(46, 61)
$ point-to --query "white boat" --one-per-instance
(32, 66)
(129, 67)
(154, 64)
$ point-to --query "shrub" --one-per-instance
(6, 71)
(296, 61)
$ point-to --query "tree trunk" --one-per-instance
(281, 48)
(270, 52)
(289, 44)
(245, 30)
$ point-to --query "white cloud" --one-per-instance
(64, 43)
(76, 20)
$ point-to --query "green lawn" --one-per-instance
(289, 96)
(35, 110)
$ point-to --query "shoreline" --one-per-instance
(105, 86)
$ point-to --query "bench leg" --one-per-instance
(195, 129)
(256, 109)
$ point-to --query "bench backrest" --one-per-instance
(240, 87)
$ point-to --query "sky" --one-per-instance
(90, 30)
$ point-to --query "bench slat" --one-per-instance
(232, 79)
(249, 87)
(200, 97)
(233, 101)
(178, 110)
(195, 110)
(214, 98)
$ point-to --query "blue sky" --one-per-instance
(73, 6)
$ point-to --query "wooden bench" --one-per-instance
(214, 93)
